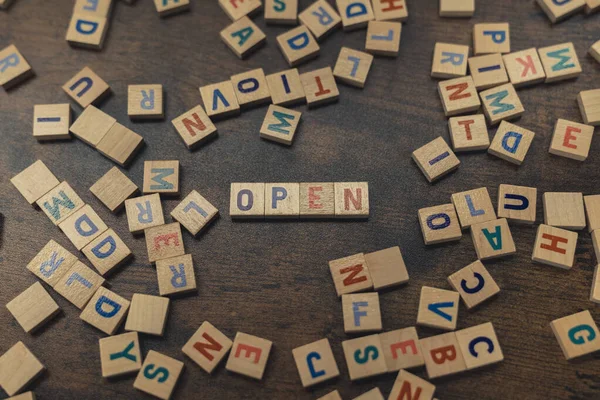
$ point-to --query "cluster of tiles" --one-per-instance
(299, 200)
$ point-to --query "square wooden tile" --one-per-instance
(595, 292)
(105, 311)
(355, 14)
(176, 275)
(351, 199)
(86, 88)
(387, 268)
(317, 200)
(15, 68)
(147, 314)
(166, 8)
(560, 61)
(487, 71)
(592, 211)
(33, 307)
(281, 12)
(79, 284)
(249, 355)
(156, 364)
(319, 87)
(449, 60)
(364, 357)
(501, 103)
(473, 207)
(247, 200)
(401, 349)
(555, 247)
(592, 6)
(286, 88)
(383, 38)
(577, 334)
(457, 8)
(120, 354)
(350, 274)
(237, 9)
(194, 127)
(98, 7)
(315, 362)
(52, 262)
(564, 210)
(571, 140)
(60, 202)
(195, 213)
(145, 102)
(107, 252)
(560, 10)
(442, 355)
(280, 124)
(458, 96)
(321, 18)
(517, 203)
(373, 394)
(596, 244)
(51, 121)
(479, 346)
(439, 224)
(468, 133)
(594, 51)
(161, 177)
(113, 188)
(120, 144)
(298, 45)
(87, 30)
(164, 241)
(352, 67)
(92, 125)
(282, 200)
(361, 312)
(492, 239)
(220, 100)
(406, 384)
(511, 143)
(18, 367)
(144, 212)
(438, 308)
(474, 284)
(34, 181)
(435, 159)
(589, 106)
(390, 10)
(335, 395)
(82, 226)
(207, 347)
(524, 67)
(26, 395)
(491, 38)
(251, 88)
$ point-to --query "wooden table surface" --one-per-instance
(271, 279)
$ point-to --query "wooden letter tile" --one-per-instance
(524, 67)
(555, 247)
(350, 274)
(564, 210)
(164, 241)
(364, 357)
(286, 88)
(438, 308)
(298, 45)
(457, 8)
(571, 140)
(474, 284)
(449, 60)
(144, 212)
(26, 395)
(161, 177)
(33, 307)
(113, 188)
(401, 349)
(243, 37)
(319, 87)
(87, 30)
(577, 334)
(51, 121)
(120, 144)
(559, 10)
(120, 355)
(147, 314)
(165, 8)
(18, 367)
(92, 125)
(34, 181)
(387, 268)
(435, 159)
(442, 355)
(282, 200)
(468, 133)
(283, 12)
(487, 71)
(317, 200)
(361, 312)
(390, 10)
(280, 124)
(236, 9)
(458, 96)
(315, 362)
(373, 394)
(194, 127)
(560, 61)
(491, 38)
(158, 375)
(105, 311)
(596, 244)
(106, 252)
(355, 14)
(409, 386)
(176, 275)
(511, 143)
(145, 102)
(79, 284)
(517, 203)
(52, 262)
(439, 224)
(14, 68)
(592, 6)
(383, 38)
(82, 226)
(479, 346)
(207, 347)
(335, 395)
(86, 88)
(592, 211)
(595, 49)
(220, 100)
(589, 106)
(194, 213)
(249, 355)
(251, 88)
(595, 292)
(60, 202)
(94, 7)
(351, 199)
(352, 67)
(501, 103)
(247, 200)
(473, 207)
(320, 18)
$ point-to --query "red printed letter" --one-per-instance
(406, 392)
(321, 91)
(354, 270)
(528, 66)
(356, 201)
(402, 346)
(554, 246)
(461, 87)
(569, 136)
(467, 125)
(391, 6)
(440, 355)
(166, 238)
(249, 350)
(202, 347)
(312, 197)
(190, 125)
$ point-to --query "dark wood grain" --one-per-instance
(271, 279)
